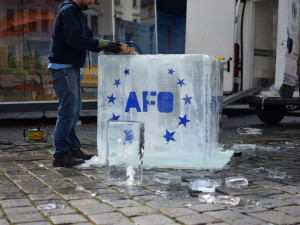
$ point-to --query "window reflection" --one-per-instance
(25, 33)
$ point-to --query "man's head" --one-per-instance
(84, 4)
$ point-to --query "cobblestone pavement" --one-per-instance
(32, 191)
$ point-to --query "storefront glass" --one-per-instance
(25, 33)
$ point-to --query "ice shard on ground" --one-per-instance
(177, 97)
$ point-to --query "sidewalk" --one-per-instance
(32, 191)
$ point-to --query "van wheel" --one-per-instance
(271, 114)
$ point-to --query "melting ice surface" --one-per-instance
(249, 131)
(177, 97)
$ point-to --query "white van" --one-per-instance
(260, 40)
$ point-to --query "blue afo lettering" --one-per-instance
(164, 101)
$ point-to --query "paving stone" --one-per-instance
(273, 195)
(291, 189)
(11, 194)
(221, 224)
(276, 217)
(25, 218)
(233, 191)
(172, 223)
(266, 192)
(110, 218)
(176, 212)
(91, 209)
(82, 202)
(76, 196)
(291, 210)
(92, 185)
(62, 208)
(110, 197)
(15, 203)
(152, 219)
(247, 208)
(138, 192)
(84, 224)
(148, 198)
(294, 200)
(226, 215)
(206, 207)
(37, 197)
(249, 221)
(67, 191)
(173, 203)
(4, 222)
(67, 219)
(196, 218)
(36, 223)
(273, 185)
(124, 203)
(138, 211)
(273, 203)
(20, 210)
(284, 196)
(104, 191)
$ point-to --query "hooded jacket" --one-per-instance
(71, 37)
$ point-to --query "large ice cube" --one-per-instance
(178, 99)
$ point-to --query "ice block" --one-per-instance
(177, 97)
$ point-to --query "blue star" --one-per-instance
(128, 136)
(126, 71)
(169, 136)
(187, 99)
(114, 117)
(180, 82)
(111, 99)
(117, 82)
(171, 71)
(183, 120)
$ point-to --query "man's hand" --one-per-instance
(111, 46)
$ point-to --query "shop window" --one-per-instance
(11, 56)
(10, 19)
(33, 18)
(45, 21)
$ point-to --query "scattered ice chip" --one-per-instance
(83, 166)
(47, 206)
(207, 198)
(166, 178)
(79, 188)
(236, 181)
(226, 200)
(276, 174)
(244, 146)
(249, 131)
(205, 185)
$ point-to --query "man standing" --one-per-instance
(70, 41)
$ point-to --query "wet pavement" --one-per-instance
(267, 158)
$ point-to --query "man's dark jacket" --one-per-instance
(71, 37)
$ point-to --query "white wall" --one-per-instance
(210, 30)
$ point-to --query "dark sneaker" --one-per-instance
(66, 160)
(78, 154)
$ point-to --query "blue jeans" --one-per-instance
(66, 84)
